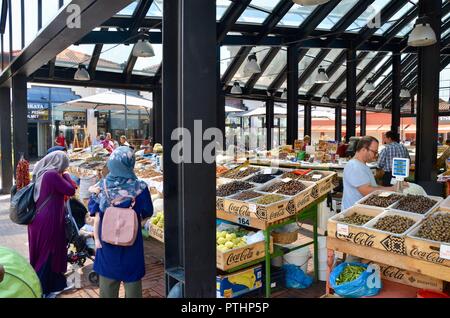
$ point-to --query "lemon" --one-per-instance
(221, 240)
(229, 245)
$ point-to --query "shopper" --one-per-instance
(306, 142)
(392, 150)
(61, 140)
(46, 234)
(123, 141)
(56, 148)
(97, 141)
(107, 144)
(358, 179)
(114, 263)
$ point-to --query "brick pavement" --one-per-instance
(12, 235)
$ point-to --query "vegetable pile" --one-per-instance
(349, 274)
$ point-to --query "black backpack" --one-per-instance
(22, 209)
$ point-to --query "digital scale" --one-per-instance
(400, 171)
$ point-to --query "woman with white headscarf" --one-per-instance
(46, 234)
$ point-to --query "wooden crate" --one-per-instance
(236, 257)
(445, 205)
(325, 184)
(402, 276)
(368, 236)
(156, 232)
(375, 193)
(425, 249)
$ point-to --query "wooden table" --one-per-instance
(384, 257)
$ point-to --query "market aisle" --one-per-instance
(12, 235)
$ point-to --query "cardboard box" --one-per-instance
(405, 277)
(239, 283)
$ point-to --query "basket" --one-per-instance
(285, 237)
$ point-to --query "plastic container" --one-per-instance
(323, 275)
(299, 258)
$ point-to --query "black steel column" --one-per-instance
(270, 102)
(338, 124)
(363, 122)
(157, 120)
(396, 87)
(220, 100)
(308, 119)
(5, 135)
(20, 121)
(428, 102)
(413, 103)
(351, 95)
(292, 94)
(189, 63)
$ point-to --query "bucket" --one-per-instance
(299, 258)
(322, 242)
(85, 184)
(323, 275)
(323, 265)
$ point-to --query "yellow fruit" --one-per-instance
(221, 241)
(229, 245)
(228, 237)
(233, 235)
(223, 234)
(221, 248)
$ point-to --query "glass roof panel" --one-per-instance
(361, 22)
(382, 77)
(156, 9)
(339, 90)
(408, 28)
(303, 65)
(221, 8)
(75, 55)
(258, 11)
(272, 70)
(227, 54)
(129, 9)
(241, 76)
(296, 15)
(337, 14)
(149, 65)
(397, 16)
(114, 57)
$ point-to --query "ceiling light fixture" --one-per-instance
(82, 74)
(322, 77)
(252, 65)
(369, 86)
(143, 47)
(325, 99)
(236, 89)
(422, 34)
(404, 93)
(284, 95)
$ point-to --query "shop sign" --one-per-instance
(74, 118)
(38, 111)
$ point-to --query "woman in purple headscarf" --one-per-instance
(46, 234)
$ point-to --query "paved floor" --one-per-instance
(12, 235)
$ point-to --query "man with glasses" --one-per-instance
(358, 179)
(392, 150)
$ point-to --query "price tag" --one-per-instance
(317, 176)
(444, 251)
(243, 169)
(385, 194)
(286, 179)
(244, 221)
(267, 171)
(252, 207)
(342, 229)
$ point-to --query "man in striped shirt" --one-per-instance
(392, 150)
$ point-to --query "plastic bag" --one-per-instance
(295, 277)
(367, 284)
(252, 238)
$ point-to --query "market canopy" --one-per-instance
(109, 101)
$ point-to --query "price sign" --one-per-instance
(252, 207)
(444, 251)
(267, 171)
(400, 168)
(244, 221)
(243, 169)
(385, 194)
(342, 229)
(316, 176)
(286, 179)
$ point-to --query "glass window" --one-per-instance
(227, 54)
(408, 28)
(272, 71)
(337, 14)
(324, 88)
(257, 11)
(31, 18)
(296, 15)
(221, 8)
(241, 76)
(303, 65)
(156, 9)
(128, 10)
(75, 55)
(49, 10)
(361, 22)
(149, 65)
(397, 16)
(114, 57)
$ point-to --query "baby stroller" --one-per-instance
(74, 221)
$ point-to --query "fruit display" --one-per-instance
(415, 203)
(273, 187)
(261, 178)
(147, 173)
(269, 199)
(232, 188)
(382, 201)
(158, 219)
(290, 175)
(394, 224)
(246, 195)
(349, 274)
(291, 188)
(157, 148)
(436, 228)
(220, 170)
(230, 239)
(356, 219)
(240, 173)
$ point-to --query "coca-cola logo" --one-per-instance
(360, 238)
(290, 208)
(325, 187)
(335, 180)
(219, 204)
(241, 210)
(277, 214)
(245, 255)
(392, 272)
(303, 202)
(315, 192)
(428, 256)
(261, 213)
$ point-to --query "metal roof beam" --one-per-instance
(230, 17)
(331, 70)
(282, 76)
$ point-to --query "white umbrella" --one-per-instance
(261, 111)
(231, 109)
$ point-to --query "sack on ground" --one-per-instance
(295, 277)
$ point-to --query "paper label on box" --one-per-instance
(286, 179)
(385, 194)
(252, 207)
(267, 171)
(444, 251)
(342, 229)
(317, 176)
(243, 169)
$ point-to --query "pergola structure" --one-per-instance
(205, 46)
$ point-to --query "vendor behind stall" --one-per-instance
(358, 178)
(392, 150)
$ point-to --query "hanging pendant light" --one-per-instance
(143, 47)
(322, 77)
(82, 74)
(369, 86)
(422, 34)
(325, 99)
(404, 93)
(236, 89)
(310, 2)
(252, 65)
(284, 95)
(379, 106)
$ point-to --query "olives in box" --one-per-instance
(231, 188)
(398, 223)
(381, 199)
(419, 204)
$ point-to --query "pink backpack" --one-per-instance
(120, 225)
